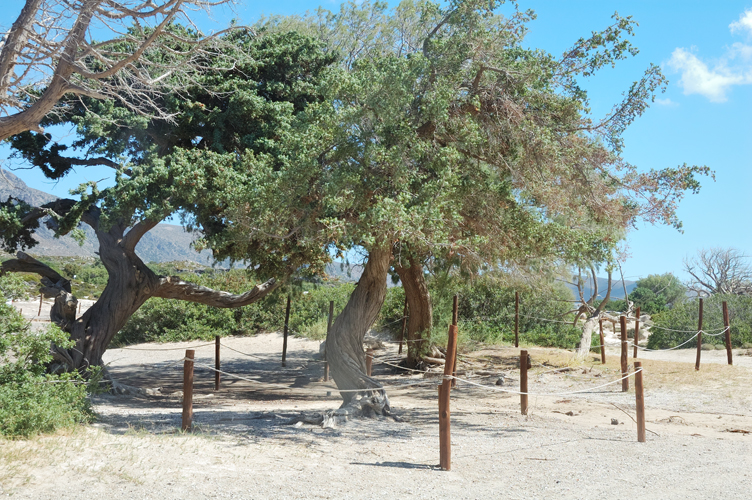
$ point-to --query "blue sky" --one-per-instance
(704, 118)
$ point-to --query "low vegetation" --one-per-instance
(32, 401)
(684, 317)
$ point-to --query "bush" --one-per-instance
(13, 287)
(486, 312)
(32, 402)
(684, 316)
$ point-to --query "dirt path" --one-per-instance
(243, 447)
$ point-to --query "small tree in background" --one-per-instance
(719, 270)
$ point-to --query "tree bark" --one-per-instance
(344, 344)
(420, 321)
(589, 327)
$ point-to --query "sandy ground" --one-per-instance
(244, 446)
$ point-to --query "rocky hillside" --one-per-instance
(164, 243)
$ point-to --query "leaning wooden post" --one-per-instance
(523, 382)
(603, 343)
(328, 328)
(404, 327)
(516, 319)
(445, 443)
(40, 305)
(284, 339)
(727, 327)
(699, 339)
(639, 402)
(624, 355)
(369, 361)
(636, 333)
(216, 363)
(188, 390)
(455, 303)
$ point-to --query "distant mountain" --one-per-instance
(164, 243)
(617, 289)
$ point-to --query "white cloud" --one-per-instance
(665, 102)
(698, 78)
(744, 23)
(714, 80)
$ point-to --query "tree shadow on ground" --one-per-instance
(250, 410)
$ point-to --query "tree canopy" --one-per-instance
(230, 121)
(428, 132)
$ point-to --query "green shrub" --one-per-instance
(684, 316)
(32, 402)
(13, 286)
(486, 312)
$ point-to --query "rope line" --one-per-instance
(166, 349)
(498, 389)
(241, 352)
(282, 386)
(668, 348)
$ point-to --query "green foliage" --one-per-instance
(684, 316)
(653, 294)
(657, 293)
(486, 312)
(13, 286)
(32, 402)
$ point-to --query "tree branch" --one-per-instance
(24, 263)
(172, 287)
(133, 236)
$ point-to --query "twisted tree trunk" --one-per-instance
(420, 322)
(130, 283)
(344, 343)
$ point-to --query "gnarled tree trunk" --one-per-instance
(592, 320)
(418, 299)
(344, 344)
(130, 283)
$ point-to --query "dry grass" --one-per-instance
(658, 374)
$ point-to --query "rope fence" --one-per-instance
(450, 377)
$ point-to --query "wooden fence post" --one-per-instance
(727, 326)
(328, 328)
(603, 342)
(699, 339)
(639, 402)
(40, 305)
(284, 339)
(404, 327)
(445, 442)
(636, 333)
(516, 319)
(216, 363)
(624, 350)
(188, 390)
(455, 317)
(369, 361)
(523, 382)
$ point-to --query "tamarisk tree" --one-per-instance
(447, 139)
(229, 129)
